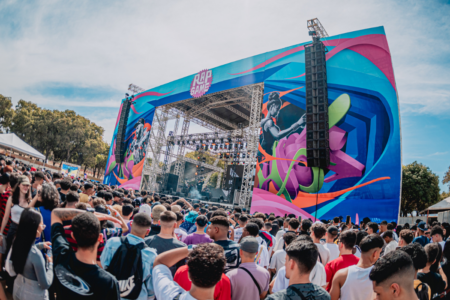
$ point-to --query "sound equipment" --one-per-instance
(234, 172)
(317, 131)
(121, 131)
(171, 181)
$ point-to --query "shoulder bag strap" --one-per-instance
(253, 278)
(297, 291)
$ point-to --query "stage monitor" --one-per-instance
(234, 172)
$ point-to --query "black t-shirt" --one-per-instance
(77, 280)
(154, 230)
(162, 245)
(434, 280)
(232, 256)
(62, 197)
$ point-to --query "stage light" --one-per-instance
(196, 173)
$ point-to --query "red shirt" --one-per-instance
(222, 291)
(3, 200)
(341, 262)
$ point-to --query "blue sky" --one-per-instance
(82, 55)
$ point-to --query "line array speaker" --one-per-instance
(121, 131)
(317, 130)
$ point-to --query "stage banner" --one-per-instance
(70, 170)
(364, 175)
(234, 173)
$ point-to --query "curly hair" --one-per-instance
(49, 196)
(206, 264)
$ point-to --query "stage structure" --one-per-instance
(254, 114)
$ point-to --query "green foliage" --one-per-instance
(213, 180)
(420, 188)
(446, 178)
(6, 113)
(63, 135)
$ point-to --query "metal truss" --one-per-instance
(158, 133)
(252, 146)
(179, 164)
(205, 184)
(317, 27)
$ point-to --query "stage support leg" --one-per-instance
(252, 138)
(179, 165)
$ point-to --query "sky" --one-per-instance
(82, 55)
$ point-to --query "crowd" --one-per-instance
(64, 238)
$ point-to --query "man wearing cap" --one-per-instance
(421, 238)
(249, 281)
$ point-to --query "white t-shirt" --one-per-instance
(318, 276)
(390, 247)
(334, 250)
(278, 260)
(237, 234)
(324, 254)
(279, 235)
(181, 234)
(264, 258)
(164, 286)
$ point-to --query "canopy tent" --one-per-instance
(438, 207)
(12, 141)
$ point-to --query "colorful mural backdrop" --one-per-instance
(364, 176)
(70, 170)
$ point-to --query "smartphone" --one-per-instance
(348, 221)
(300, 219)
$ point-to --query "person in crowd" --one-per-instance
(156, 212)
(301, 257)
(189, 220)
(436, 281)
(406, 237)
(77, 274)
(45, 201)
(353, 282)
(5, 193)
(65, 188)
(359, 237)
(419, 258)
(347, 240)
(199, 237)
(331, 235)
(139, 229)
(372, 227)
(166, 240)
(437, 236)
(282, 231)
(266, 232)
(127, 213)
(305, 227)
(25, 259)
(249, 281)
(279, 257)
(242, 221)
(206, 265)
(421, 237)
(17, 202)
(317, 276)
(179, 232)
(391, 244)
(393, 277)
(292, 227)
(262, 257)
(72, 199)
(217, 231)
(39, 179)
(318, 230)
(87, 193)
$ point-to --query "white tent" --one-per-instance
(12, 141)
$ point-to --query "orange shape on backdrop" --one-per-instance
(307, 200)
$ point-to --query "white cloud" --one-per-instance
(149, 43)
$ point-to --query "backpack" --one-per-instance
(126, 266)
(422, 291)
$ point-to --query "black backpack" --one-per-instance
(422, 291)
(126, 266)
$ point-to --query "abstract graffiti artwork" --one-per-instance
(364, 175)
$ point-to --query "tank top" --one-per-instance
(357, 286)
(16, 212)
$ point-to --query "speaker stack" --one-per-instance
(121, 131)
(317, 131)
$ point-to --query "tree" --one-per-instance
(6, 114)
(446, 178)
(420, 188)
(445, 195)
(209, 158)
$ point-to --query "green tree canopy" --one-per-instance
(420, 188)
(6, 113)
